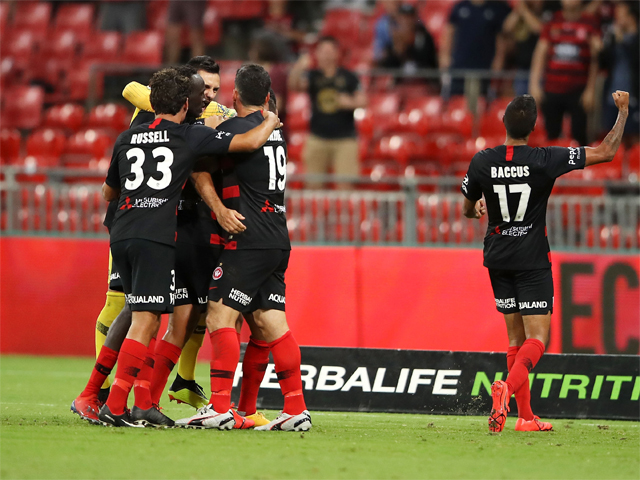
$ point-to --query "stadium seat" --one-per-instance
(491, 121)
(434, 16)
(443, 148)
(111, 116)
(22, 107)
(34, 16)
(85, 145)
(104, 47)
(61, 45)
(380, 115)
(68, 117)
(20, 45)
(9, 145)
(4, 15)
(295, 145)
(143, 48)
(343, 24)
(77, 17)
(157, 15)
(401, 147)
(431, 108)
(46, 143)
(239, 9)
(212, 25)
(633, 162)
(298, 111)
(382, 173)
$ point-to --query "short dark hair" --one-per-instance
(206, 63)
(330, 39)
(169, 91)
(253, 84)
(273, 102)
(520, 116)
(186, 70)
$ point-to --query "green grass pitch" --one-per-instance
(41, 438)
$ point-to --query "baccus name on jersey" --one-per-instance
(161, 136)
(513, 171)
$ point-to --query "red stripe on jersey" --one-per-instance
(155, 123)
(509, 153)
(549, 255)
(176, 237)
(230, 192)
(213, 215)
(216, 240)
(231, 246)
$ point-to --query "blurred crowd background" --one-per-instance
(376, 92)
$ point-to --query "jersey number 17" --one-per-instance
(524, 189)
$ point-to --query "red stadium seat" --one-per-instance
(456, 118)
(22, 107)
(77, 17)
(633, 162)
(46, 143)
(157, 15)
(143, 48)
(382, 173)
(212, 23)
(9, 145)
(298, 111)
(104, 47)
(111, 116)
(19, 44)
(4, 15)
(295, 145)
(49, 71)
(68, 117)
(61, 45)
(87, 144)
(435, 16)
(343, 24)
(239, 9)
(491, 122)
(380, 114)
(33, 15)
(402, 148)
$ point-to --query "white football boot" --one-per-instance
(207, 417)
(289, 423)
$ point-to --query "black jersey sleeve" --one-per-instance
(141, 117)
(471, 187)
(560, 160)
(113, 174)
(205, 141)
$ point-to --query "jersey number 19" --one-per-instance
(277, 161)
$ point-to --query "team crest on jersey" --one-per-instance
(217, 273)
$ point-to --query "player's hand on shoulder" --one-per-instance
(621, 99)
(272, 118)
(229, 220)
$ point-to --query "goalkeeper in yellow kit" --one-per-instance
(184, 389)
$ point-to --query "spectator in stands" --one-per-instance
(411, 46)
(472, 39)
(191, 14)
(335, 93)
(382, 29)
(267, 49)
(522, 28)
(281, 21)
(122, 16)
(620, 57)
(567, 56)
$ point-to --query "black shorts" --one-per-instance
(250, 280)
(115, 283)
(147, 272)
(529, 292)
(194, 266)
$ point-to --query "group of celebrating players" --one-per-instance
(177, 181)
(198, 229)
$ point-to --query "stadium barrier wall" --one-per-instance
(372, 380)
(52, 289)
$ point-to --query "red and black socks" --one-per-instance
(254, 366)
(286, 357)
(101, 370)
(165, 358)
(130, 362)
(224, 360)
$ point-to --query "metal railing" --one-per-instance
(409, 212)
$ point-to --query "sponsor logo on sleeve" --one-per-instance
(574, 153)
(465, 184)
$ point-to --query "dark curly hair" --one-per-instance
(169, 91)
(206, 63)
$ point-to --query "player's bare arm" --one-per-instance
(609, 146)
(255, 138)
(473, 209)
(110, 193)
(227, 218)
(537, 67)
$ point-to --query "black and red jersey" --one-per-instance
(254, 185)
(516, 183)
(150, 165)
(569, 54)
